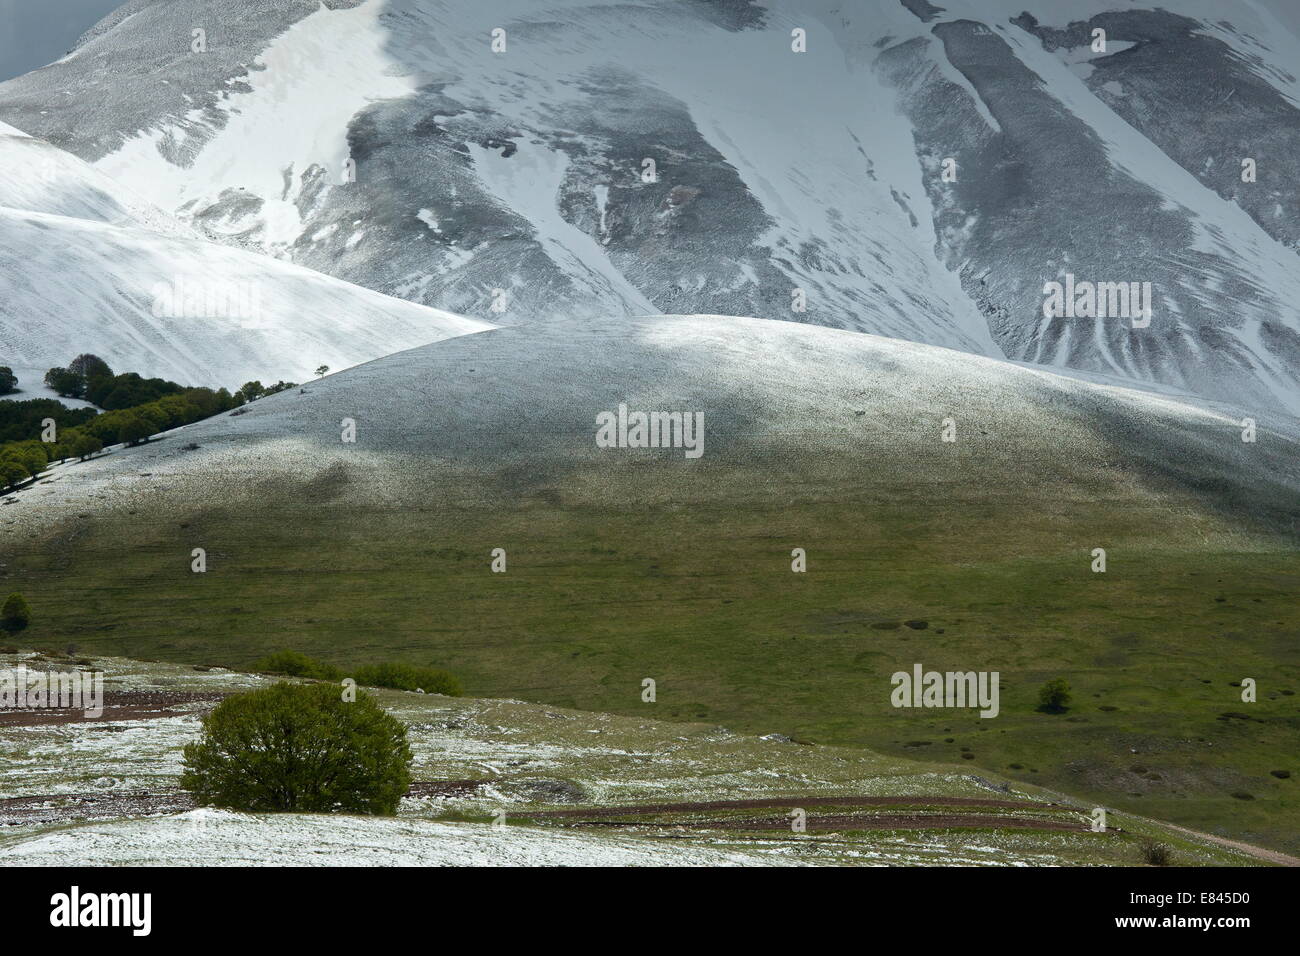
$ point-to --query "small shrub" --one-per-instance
(1054, 696)
(15, 615)
(294, 664)
(299, 748)
(399, 676)
(1157, 854)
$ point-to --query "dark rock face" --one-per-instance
(1203, 103)
(1040, 193)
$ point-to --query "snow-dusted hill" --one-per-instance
(516, 408)
(386, 143)
(88, 266)
(38, 177)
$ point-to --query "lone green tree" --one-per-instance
(15, 615)
(1054, 696)
(299, 748)
(250, 392)
(88, 366)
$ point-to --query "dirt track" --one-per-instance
(629, 815)
(887, 821)
(790, 803)
(1259, 852)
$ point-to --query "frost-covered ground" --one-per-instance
(218, 838)
(522, 757)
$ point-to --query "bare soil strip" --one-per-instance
(76, 807)
(118, 705)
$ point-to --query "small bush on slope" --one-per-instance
(15, 614)
(400, 676)
(1054, 696)
(294, 664)
(393, 675)
(1157, 854)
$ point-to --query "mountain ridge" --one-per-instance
(510, 185)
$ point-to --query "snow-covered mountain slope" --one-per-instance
(505, 412)
(523, 171)
(1055, 181)
(386, 142)
(86, 266)
(38, 177)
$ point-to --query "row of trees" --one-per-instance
(20, 460)
(252, 391)
(134, 409)
(89, 377)
(20, 421)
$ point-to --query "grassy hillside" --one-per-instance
(972, 555)
(685, 577)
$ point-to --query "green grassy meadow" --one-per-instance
(688, 581)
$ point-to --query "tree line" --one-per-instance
(130, 410)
